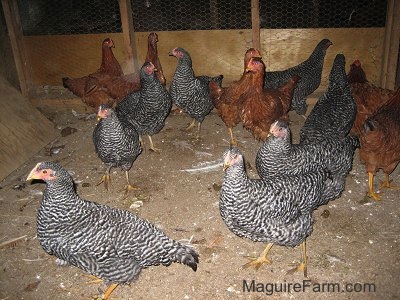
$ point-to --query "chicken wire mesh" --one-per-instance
(42, 17)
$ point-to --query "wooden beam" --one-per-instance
(14, 27)
(129, 37)
(391, 45)
(255, 23)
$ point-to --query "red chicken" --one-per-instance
(120, 86)
(226, 99)
(380, 143)
(152, 56)
(368, 97)
(108, 85)
(261, 107)
(88, 88)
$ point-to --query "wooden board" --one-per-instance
(213, 52)
(23, 129)
(284, 48)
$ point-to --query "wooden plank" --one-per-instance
(23, 129)
(128, 34)
(64, 105)
(255, 23)
(11, 14)
(57, 56)
(390, 51)
(213, 52)
(285, 48)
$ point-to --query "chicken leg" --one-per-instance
(129, 186)
(109, 290)
(191, 125)
(233, 141)
(198, 130)
(152, 148)
(303, 263)
(371, 192)
(257, 262)
(387, 183)
(106, 179)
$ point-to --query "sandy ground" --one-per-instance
(354, 245)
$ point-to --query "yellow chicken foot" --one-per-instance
(106, 179)
(93, 279)
(129, 187)
(152, 148)
(109, 290)
(387, 183)
(262, 259)
(371, 192)
(303, 264)
(191, 125)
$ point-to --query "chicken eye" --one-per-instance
(44, 171)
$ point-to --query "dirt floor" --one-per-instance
(354, 245)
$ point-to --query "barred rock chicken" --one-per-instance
(368, 97)
(189, 92)
(260, 107)
(324, 138)
(116, 143)
(147, 109)
(334, 113)
(309, 71)
(278, 156)
(88, 88)
(109, 243)
(380, 143)
(226, 99)
(274, 211)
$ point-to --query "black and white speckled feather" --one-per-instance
(116, 141)
(189, 92)
(128, 105)
(148, 109)
(276, 210)
(277, 156)
(334, 113)
(310, 72)
(107, 242)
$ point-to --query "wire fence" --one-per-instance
(42, 17)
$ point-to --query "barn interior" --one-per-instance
(355, 238)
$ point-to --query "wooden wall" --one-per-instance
(23, 129)
(213, 52)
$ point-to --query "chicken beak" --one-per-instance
(33, 174)
(225, 166)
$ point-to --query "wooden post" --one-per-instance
(14, 27)
(255, 23)
(131, 60)
(391, 45)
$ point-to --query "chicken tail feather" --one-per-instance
(185, 254)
